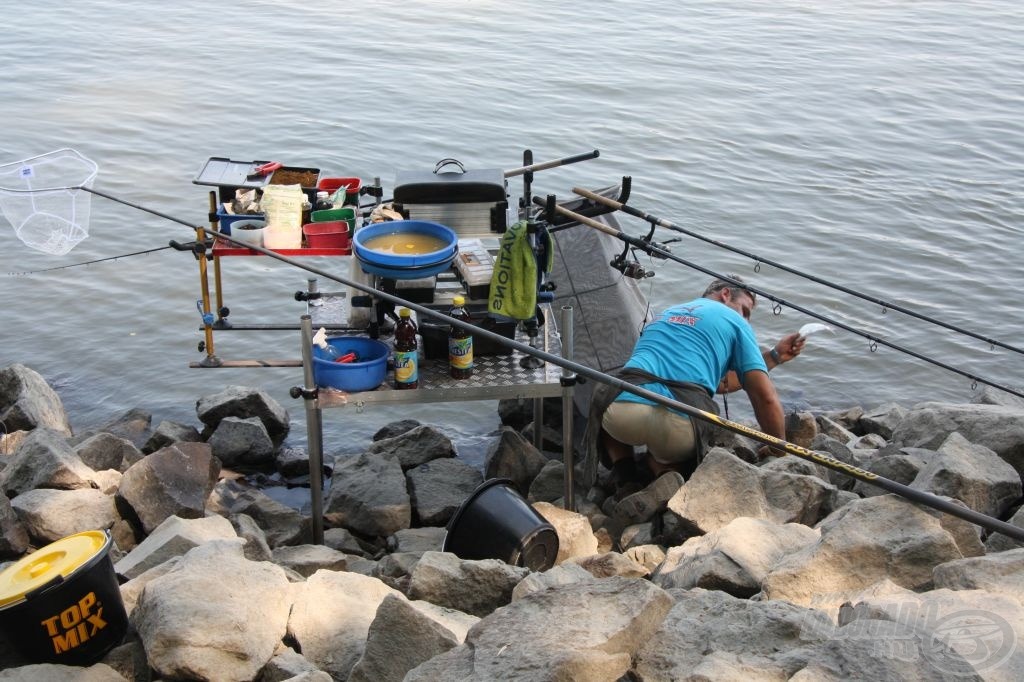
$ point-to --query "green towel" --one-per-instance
(514, 282)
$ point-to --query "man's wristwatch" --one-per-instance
(774, 355)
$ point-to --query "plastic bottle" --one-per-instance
(460, 343)
(329, 352)
(323, 201)
(406, 356)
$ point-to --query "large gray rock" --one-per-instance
(195, 623)
(244, 402)
(997, 542)
(724, 488)
(513, 457)
(735, 558)
(438, 487)
(13, 536)
(395, 428)
(996, 427)
(49, 515)
(238, 442)
(173, 481)
(882, 420)
(586, 631)
(308, 559)
(842, 451)
(174, 537)
(568, 573)
(973, 474)
(288, 664)
(106, 451)
(474, 587)
(404, 634)
(44, 460)
(132, 425)
(607, 564)
(167, 433)
(801, 428)
(27, 402)
(414, 447)
(368, 495)
(417, 540)
(901, 465)
(52, 672)
(549, 485)
(645, 504)
(331, 618)
(876, 538)
(1002, 573)
(281, 524)
(256, 547)
(575, 536)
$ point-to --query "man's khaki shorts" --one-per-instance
(668, 435)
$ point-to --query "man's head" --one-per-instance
(733, 294)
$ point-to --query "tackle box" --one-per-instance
(473, 203)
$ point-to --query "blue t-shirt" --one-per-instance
(698, 342)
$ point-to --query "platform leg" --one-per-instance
(568, 382)
(314, 433)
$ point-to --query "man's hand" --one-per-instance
(790, 346)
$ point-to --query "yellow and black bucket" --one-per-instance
(62, 603)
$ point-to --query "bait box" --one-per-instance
(435, 334)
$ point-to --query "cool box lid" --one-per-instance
(61, 558)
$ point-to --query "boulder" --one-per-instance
(13, 536)
(637, 535)
(27, 402)
(308, 559)
(515, 458)
(343, 541)
(404, 634)
(877, 538)
(724, 488)
(438, 487)
(568, 573)
(585, 631)
(735, 558)
(238, 442)
(882, 420)
(395, 428)
(791, 464)
(1001, 573)
(44, 460)
(287, 664)
(168, 433)
(575, 537)
(833, 428)
(414, 447)
(256, 547)
(843, 452)
(989, 395)
(107, 451)
(189, 618)
(133, 425)
(173, 481)
(331, 618)
(549, 485)
(395, 569)
(997, 427)
(52, 672)
(997, 542)
(281, 525)
(49, 515)
(244, 402)
(648, 556)
(898, 464)
(801, 428)
(607, 564)
(971, 473)
(474, 587)
(174, 537)
(417, 540)
(368, 496)
(645, 504)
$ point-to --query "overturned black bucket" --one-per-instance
(62, 603)
(495, 522)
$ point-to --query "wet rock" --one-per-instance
(971, 473)
(734, 558)
(438, 487)
(368, 496)
(27, 402)
(244, 402)
(474, 587)
(242, 443)
(427, 539)
(724, 488)
(882, 420)
(281, 524)
(167, 433)
(404, 634)
(107, 451)
(801, 428)
(587, 631)
(44, 460)
(876, 538)
(294, 463)
(173, 481)
(515, 458)
(51, 672)
(998, 428)
(414, 447)
(567, 573)
(331, 618)
(549, 485)
(174, 537)
(575, 537)
(308, 559)
(256, 547)
(188, 619)
(133, 425)
(396, 428)
(13, 536)
(49, 515)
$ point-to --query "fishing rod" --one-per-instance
(88, 262)
(831, 463)
(656, 250)
(611, 203)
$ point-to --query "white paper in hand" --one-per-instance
(813, 328)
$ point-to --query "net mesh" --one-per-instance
(42, 198)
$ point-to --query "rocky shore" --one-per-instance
(753, 570)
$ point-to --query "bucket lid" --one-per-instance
(60, 558)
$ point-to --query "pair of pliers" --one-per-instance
(265, 169)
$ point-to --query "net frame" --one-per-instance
(45, 198)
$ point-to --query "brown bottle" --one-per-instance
(406, 356)
(460, 343)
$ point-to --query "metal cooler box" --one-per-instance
(473, 203)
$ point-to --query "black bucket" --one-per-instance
(62, 604)
(495, 522)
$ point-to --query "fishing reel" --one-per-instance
(630, 267)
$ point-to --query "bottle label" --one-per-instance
(460, 353)
(406, 370)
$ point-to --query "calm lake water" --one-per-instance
(877, 144)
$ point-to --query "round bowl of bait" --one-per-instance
(404, 262)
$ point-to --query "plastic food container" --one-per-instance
(330, 235)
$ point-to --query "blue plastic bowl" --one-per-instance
(365, 375)
(405, 261)
(415, 272)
